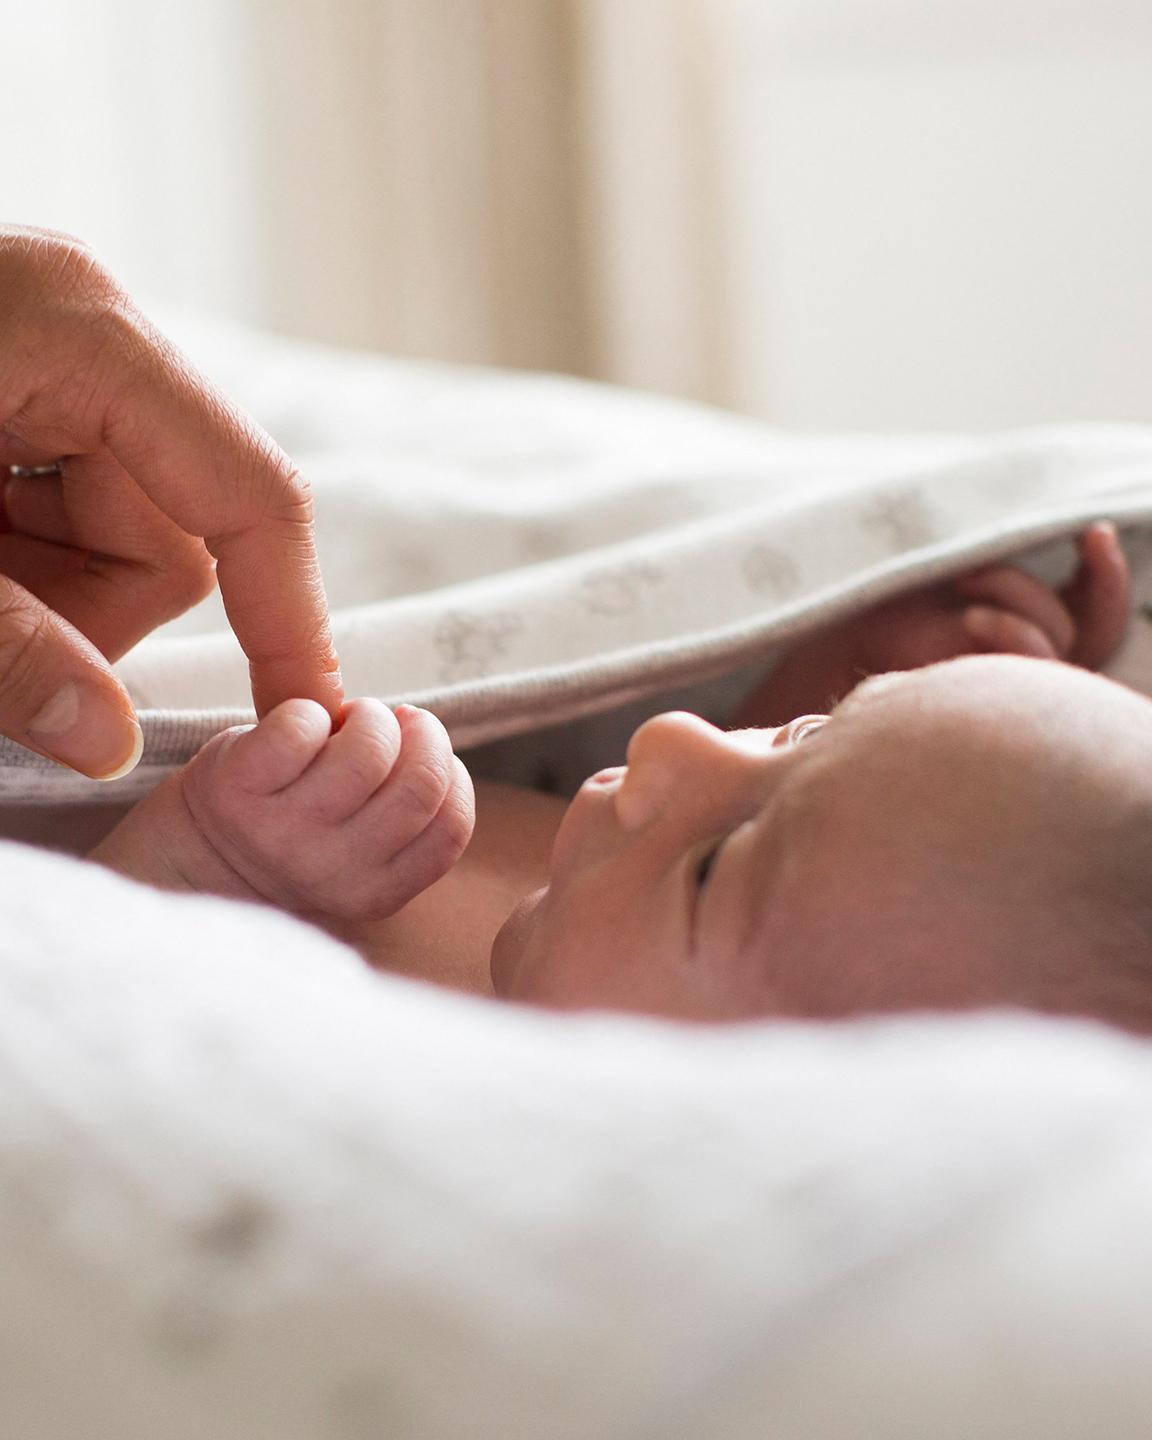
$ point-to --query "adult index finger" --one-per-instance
(83, 373)
(273, 593)
(214, 472)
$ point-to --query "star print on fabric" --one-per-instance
(901, 517)
(619, 590)
(470, 644)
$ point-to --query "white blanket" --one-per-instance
(250, 1191)
(515, 551)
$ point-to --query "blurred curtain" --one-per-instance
(516, 182)
(522, 182)
(846, 214)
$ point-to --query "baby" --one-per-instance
(965, 829)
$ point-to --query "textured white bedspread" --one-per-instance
(250, 1191)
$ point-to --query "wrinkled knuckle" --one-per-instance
(192, 578)
(297, 494)
(51, 253)
(77, 261)
(457, 817)
(383, 739)
(455, 832)
(368, 768)
(294, 732)
(24, 635)
(187, 577)
(423, 788)
(288, 495)
(79, 282)
(435, 853)
(315, 642)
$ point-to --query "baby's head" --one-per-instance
(975, 833)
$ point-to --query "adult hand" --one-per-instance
(155, 486)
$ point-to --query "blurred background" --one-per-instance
(832, 214)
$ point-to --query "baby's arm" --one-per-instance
(998, 609)
(345, 827)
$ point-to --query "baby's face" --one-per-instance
(886, 856)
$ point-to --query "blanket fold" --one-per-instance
(515, 552)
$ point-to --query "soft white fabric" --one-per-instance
(517, 550)
(249, 1190)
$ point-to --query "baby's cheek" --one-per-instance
(511, 958)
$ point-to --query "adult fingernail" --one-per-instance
(81, 728)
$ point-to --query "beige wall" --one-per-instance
(509, 180)
(833, 213)
(420, 177)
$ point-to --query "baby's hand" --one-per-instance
(350, 825)
(1006, 610)
(996, 609)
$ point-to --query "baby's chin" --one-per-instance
(511, 942)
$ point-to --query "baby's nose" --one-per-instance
(680, 759)
(670, 741)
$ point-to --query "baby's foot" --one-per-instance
(347, 826)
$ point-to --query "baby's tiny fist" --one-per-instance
(350, 825)
(255, 760)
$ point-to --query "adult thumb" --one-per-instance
(58, 694)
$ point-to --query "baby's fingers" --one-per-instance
(1013, 592)
(411, 797)
(269, 756)
(1098, 596)
(1004, 633)
(436, 849)
(353, 765)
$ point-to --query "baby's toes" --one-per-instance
(273, 754)
(353, 765)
